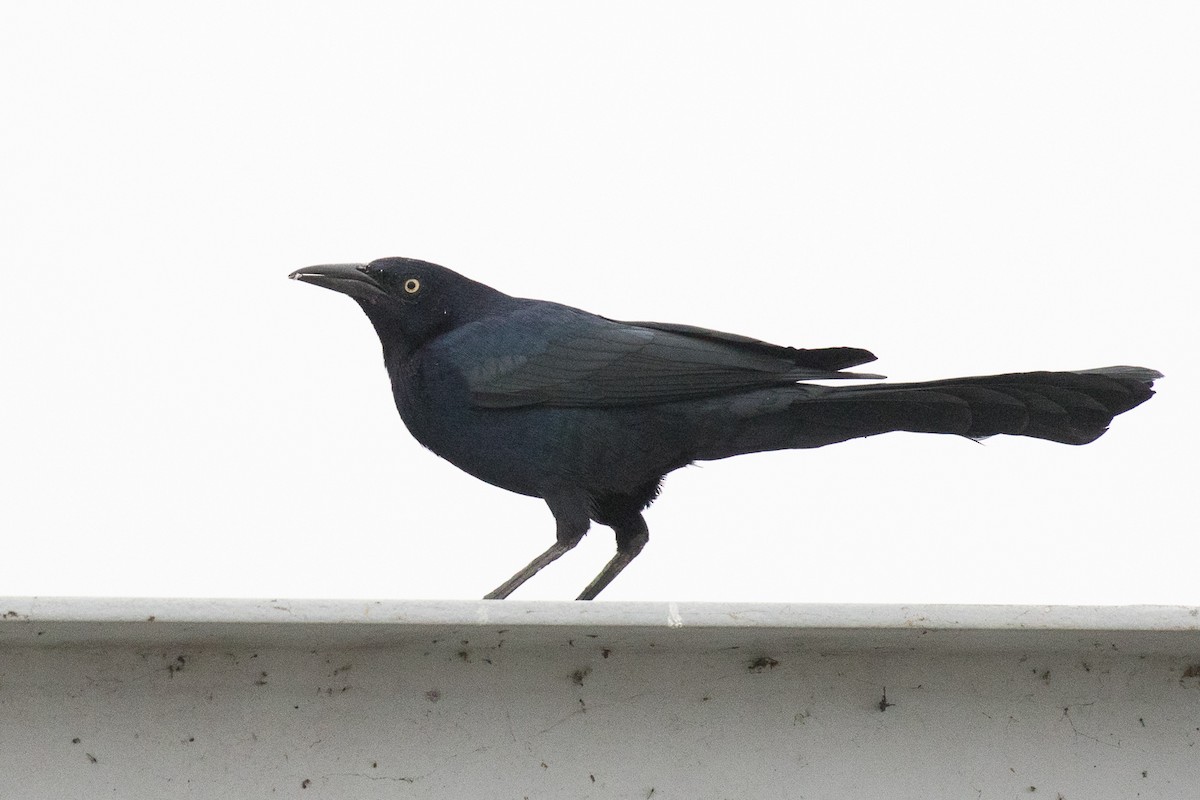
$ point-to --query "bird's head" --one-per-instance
(408, 301)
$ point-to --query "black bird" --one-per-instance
(590, 414)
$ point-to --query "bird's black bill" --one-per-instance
(351, 279)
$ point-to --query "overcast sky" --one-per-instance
(960, 188)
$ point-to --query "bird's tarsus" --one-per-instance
(629, 544)
(529, 570)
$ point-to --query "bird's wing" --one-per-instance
(824, 358)
(561, 357)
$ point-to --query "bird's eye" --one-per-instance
(412, 286)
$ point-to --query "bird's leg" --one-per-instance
(572, 521)
(632, 535)
(505, 589)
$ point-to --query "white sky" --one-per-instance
(961, 188)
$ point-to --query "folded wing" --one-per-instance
(561, 357)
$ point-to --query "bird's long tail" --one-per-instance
(1069, 407)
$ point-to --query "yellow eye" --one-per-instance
(412, 286)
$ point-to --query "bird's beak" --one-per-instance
(351, 279)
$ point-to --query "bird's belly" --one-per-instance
(533, 451)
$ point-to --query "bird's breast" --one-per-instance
(534, 449)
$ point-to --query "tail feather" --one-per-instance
(1067, 407)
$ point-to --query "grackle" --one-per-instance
(590, 414)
